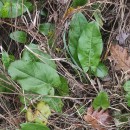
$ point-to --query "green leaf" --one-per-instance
(126, 86)
(1, 4)
(33, 126)
(36, 73)
(46, 59)
(19, 36)
(36, 55)
(5, 59)
(101, 101)
(77, 3)
(13, 9)
(77, 25)
(55, 103)
(34, 76)
(90, 47)
(101, 70)
(46, 29)
(63, 90)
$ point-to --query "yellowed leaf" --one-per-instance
(40, 114)
(29, 115)
(120, 57)
(100, 120)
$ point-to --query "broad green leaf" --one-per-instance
(77, 3)
(90, 47)
(46, 29)
(55, 103)
(33, 126)
(34, 76)
(19, 36)
(101, 101)
(101, 70)
(13, 9)
(40, 115)
(126, 86)
(36, 55)
(77, 25)
(44, 58)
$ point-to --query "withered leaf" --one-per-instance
(100, 120)
(120, 57)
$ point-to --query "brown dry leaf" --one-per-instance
(100, 120)
(121, 57)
